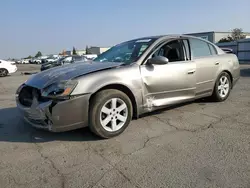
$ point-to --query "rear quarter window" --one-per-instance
(212, 49)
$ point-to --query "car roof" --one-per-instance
(167, 36)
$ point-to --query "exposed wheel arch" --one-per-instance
(123, 89)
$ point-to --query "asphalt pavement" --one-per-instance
(199, 144)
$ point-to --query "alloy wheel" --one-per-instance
(114, 114)
(223, 87)
(3, 72)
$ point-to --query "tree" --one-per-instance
(237, 34)
(38, 54)
(29, 57)
(74, 51)
(87, 50)
(226, 39)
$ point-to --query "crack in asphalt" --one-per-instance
(211, 116)
(145, 143)
(128, 179)
(39, 148)
(148, 139)
(100, 179)
(18, 184)
(45, 158)
(167, 122)
(113, 168)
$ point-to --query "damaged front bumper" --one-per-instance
(57, 116)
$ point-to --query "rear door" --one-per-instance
(169, 83)
(207, 62)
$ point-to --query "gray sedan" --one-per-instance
(128, 80)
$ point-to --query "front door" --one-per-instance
(169, 83)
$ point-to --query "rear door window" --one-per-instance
(199, 48)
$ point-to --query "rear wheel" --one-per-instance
(222, 87)
(3, 72)
(110, 113)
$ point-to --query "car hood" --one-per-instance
(67, 72)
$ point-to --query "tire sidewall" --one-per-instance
(217, 84)
(96, 111)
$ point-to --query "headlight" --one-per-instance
(59, 90)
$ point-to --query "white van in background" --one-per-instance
(90, 56)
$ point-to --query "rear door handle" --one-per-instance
(191, 72)
(217, 63)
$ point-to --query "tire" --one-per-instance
(3, 72)
(219, 95)
(112, 116)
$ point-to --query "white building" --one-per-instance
(214, 36)
(97, 50)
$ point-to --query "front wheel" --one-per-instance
(110, 113)
(222, 87)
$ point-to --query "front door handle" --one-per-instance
(217, 63)
(191, 72)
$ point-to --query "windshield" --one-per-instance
(127, 52)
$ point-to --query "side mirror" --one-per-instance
(158, 60)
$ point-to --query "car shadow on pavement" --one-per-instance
(245, 72)
(14, 129)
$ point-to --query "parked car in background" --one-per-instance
(7, 67)
(32, 61)
(13, 62)
(50, 59)
(90, 56)
(63, 61)
(128, 80)
(73, 59)
(35, 61)
(25, 61)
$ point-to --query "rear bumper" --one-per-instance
(57, 116)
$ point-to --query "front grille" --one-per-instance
(26, 96)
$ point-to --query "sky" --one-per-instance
(50, 26)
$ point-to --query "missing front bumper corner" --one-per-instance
(58, 116)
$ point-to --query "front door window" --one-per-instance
(172, 50)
